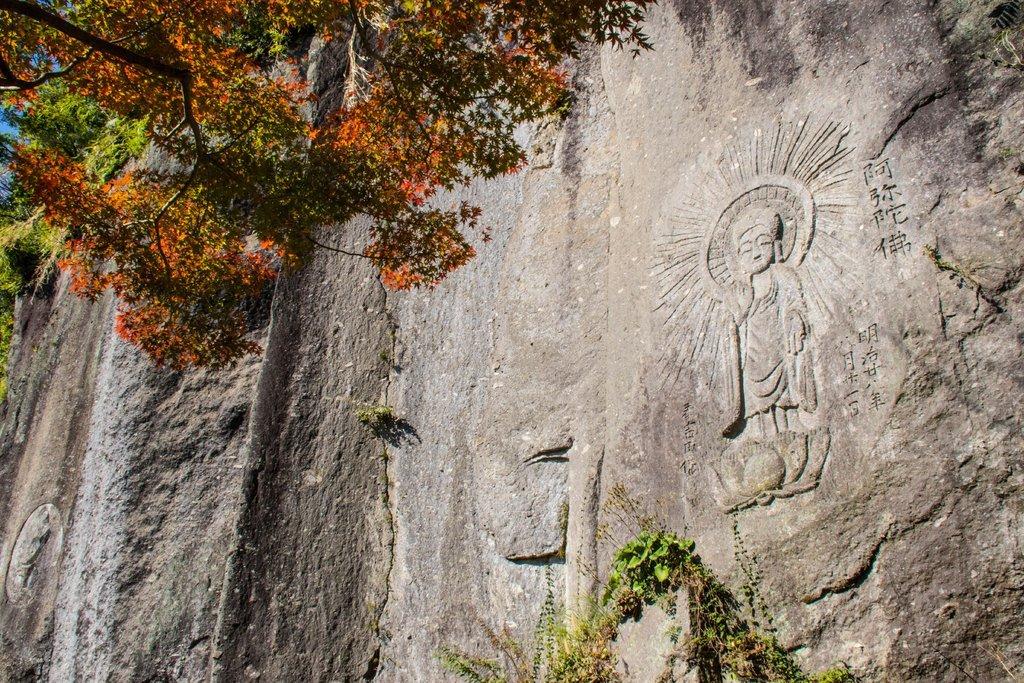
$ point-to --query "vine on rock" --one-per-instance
(655, 567)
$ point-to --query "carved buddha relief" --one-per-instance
(34, 553)
(745, 269)
(769, 362)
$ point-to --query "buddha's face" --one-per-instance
(755, 247)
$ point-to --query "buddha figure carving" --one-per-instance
(770, 364)
(34, 554)
(748, 257)
(771, 396)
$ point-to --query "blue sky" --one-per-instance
(4, 128)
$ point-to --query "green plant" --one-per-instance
(28, 248)
(77, 126)
(754, 656)
(567, 647)
(758, 609)
(650, 567)
(377, 416)
(583, 650)
(961, 275)
(512, 665)
(723, 638)
(469, 668)
(1007, 49)
(6, 333)
(654, 566)
(576, 647)
(838, 674)
(257, 36)
(723, 642)
(955, 270)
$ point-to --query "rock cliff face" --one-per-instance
(766, 277)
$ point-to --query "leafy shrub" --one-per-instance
(648, 568)
(655, 565)
(723, 643)
(378, 417)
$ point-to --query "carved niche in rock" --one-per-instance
(34, 554)
(748, 269)
(523, 502)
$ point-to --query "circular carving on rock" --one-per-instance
(34, 554)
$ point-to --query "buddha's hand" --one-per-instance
(796, 333)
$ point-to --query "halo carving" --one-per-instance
(793, 202)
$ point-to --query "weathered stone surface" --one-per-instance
(46, 423)
(711, 287)
(308, 579)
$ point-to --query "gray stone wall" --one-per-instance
(711, 286)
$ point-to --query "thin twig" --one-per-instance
(1002, 662)
(337, 249)
(9, 82)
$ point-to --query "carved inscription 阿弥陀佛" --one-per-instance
(747, 271)
(34, 553)
(889, 216)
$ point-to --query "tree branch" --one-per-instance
(337, 250)
(410, 112)
(9, 81)
(36, 13)
(113, 49)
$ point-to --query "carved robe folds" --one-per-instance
(748, 253)
(769, 364)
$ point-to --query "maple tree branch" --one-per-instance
(11, 82)
(183, 188)
(38, 14)
(113, 48)
(392, 81)
(155, 220)
(189, 115)
(174, 131)
(336, 249)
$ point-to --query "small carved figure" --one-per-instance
(38, 542)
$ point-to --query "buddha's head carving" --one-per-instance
(756, 237)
